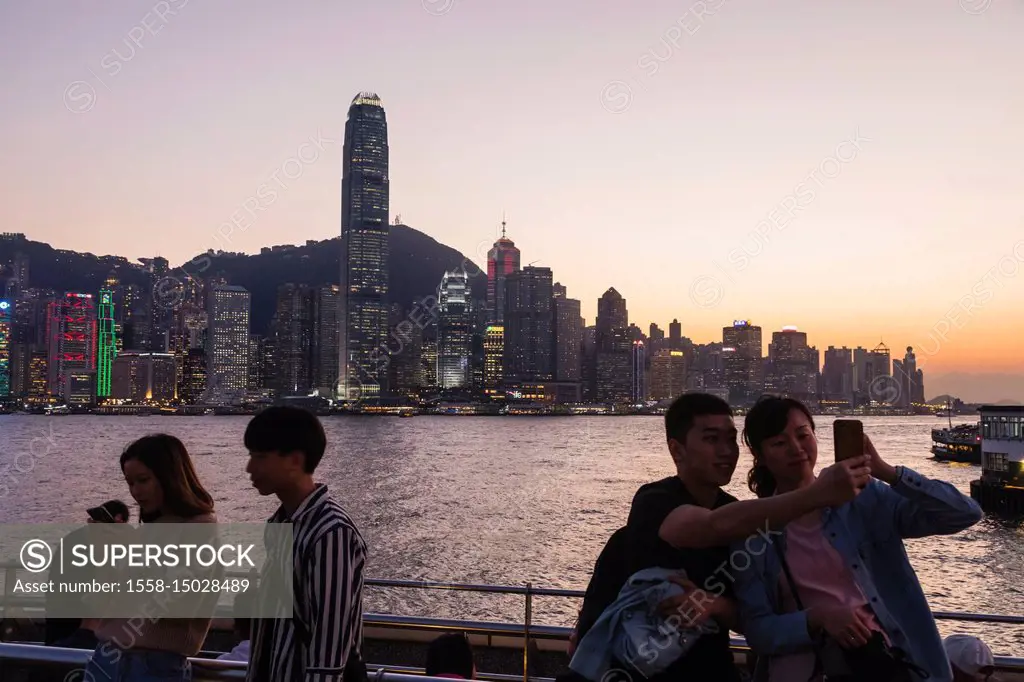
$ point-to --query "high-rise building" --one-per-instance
(364, 259)
(72, 346)
(568, 329)
(528, 325)
(668, 374)
(193, 377)
(656, 340)
(227, 355)
(326, 333)
(880, 362)
(743, 362)
(37, 387)
(675, 334)
(837, 375)
(494, 351)
(107, 347)
(909, 380)
(5, 348)
(144, 377)
(706, 371)
(613, 347)
(791, 372)
(294, 334)
(454, 330)
(502, 261)
(638, 380)
(256, 381)
(588, 353)
(406, 357)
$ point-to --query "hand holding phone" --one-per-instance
(848, 437)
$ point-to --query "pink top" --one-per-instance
(823, 580)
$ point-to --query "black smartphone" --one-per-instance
(848, 437)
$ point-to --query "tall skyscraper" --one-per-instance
(744, 362)
(107, 349)
(364, 259)
(613, 348)
(502, 261)
(326, 333)
(909, 379)
(227, 356)
(638, 380)
(528, 325)
(837, 375)
(294, 335)
(454, 330)
(5, 348)
(791, 371)
(568, 336)
(675, 335)
(72, 339)
(494, 352)
(668, 374)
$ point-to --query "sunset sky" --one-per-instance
(853, 168)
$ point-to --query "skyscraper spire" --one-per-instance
(502, 224)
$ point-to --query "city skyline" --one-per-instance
(896, 119)
(964, 386)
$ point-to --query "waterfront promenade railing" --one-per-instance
(527, 630)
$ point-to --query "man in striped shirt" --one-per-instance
(321, 642)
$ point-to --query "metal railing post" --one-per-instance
(526, 632)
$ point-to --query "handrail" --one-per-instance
(528, 630)
(211, 670)
(563, 592)
(488, 588)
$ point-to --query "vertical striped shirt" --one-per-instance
(328, 558)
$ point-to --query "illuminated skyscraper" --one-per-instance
(494, 351)
(502, 260)
(5, 348)
(364, 258)
(454, 330)
(71, 336)
(743, 362)
(227, 355)
(107, 349)
(792, 371)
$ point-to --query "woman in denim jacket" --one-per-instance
(849, 563)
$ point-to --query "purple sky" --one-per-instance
(638, 145)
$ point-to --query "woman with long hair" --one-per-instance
(162, 480)
(833, 593)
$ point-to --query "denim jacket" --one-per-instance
(631, 631)
(868, 532)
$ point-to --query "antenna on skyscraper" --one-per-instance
(398, 219)
(503, 224)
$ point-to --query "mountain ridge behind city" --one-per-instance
(417, 264)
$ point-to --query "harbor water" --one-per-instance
(503, 500)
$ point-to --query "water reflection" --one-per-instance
(499, 500)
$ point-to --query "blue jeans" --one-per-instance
(110, 664)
